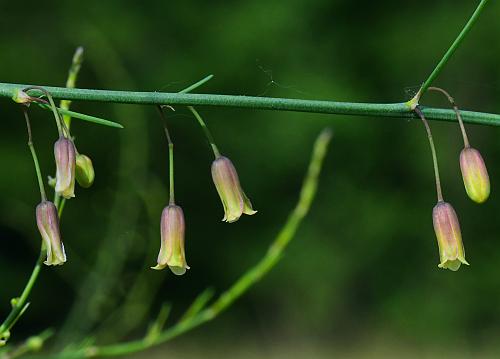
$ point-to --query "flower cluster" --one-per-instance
(172, 226)
(70, 167)
(477, 186)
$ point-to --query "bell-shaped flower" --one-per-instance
(84, 171)
(449, 237)
(228, 186)
(172, 241)
(65, 155)
(475, 175)
(47, 221)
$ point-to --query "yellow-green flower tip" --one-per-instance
(172, 241)
(475, 175)
(84, 171)
(449, 237)
(227, 183)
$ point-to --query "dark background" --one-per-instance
(361, 277)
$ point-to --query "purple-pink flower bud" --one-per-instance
(65, 155)
(228, 186)
(475, 175)
(449, 237)
(172, 240)
(47, 221)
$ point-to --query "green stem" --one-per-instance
(20, 303)
(197, 84)
(171, 172)
(60, 125)
(400, 110)
(74, 69)
(35, 157)
(434, 156)
(451, 50)
(457, 112)
(208, 135)
(170, 155)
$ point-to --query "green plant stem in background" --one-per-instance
(208, 135)
(439, 67)
(31, 344)
(74, 69)
(196, 315)
(73, 72)
(401, 110)
(19, 305)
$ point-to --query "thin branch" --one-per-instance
(449, 53)
(401, 110)
(74, 69)
(20, 303)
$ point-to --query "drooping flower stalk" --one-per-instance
(64, 152)
(206, 131)
(34, 156)
(226, 180)
(57, 117)
(172, 224)
(434, 156)
(47, 218)
(472, 166)
(444, 218)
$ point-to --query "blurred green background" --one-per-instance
(361, 278)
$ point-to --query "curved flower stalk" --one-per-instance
(172, 224)
(228, 186)
(444, 218)
(472, 166)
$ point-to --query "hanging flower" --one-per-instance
(228, 186)
(47, 221)
(172, 240)
(65, 155)
(475, 175)
(449, 237)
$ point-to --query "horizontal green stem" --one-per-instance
(260, 103)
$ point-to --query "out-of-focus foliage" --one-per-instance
(363, 268)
